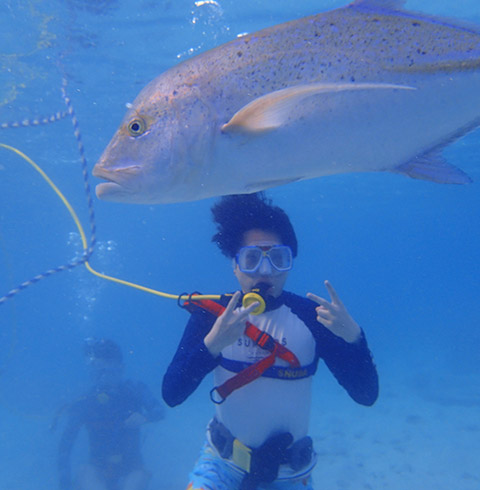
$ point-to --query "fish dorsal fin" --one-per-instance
(390, 4)
(272, 111)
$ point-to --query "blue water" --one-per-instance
(402, 254)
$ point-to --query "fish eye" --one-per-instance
(136, 127)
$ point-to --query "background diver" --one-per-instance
(112, 412)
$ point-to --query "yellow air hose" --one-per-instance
(74, 216)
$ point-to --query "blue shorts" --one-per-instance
(212, 472)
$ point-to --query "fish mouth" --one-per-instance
(110, 191)
(115, 188)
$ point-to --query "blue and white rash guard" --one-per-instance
(278, 401)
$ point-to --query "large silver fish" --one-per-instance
(367, 87)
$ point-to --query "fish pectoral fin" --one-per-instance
(433, 167)
(273, 110)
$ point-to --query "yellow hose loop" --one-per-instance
(85, 246)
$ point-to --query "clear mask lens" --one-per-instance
(250, 258)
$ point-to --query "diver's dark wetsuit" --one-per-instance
(114, 448)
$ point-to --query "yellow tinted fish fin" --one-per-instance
(272, 111)
(439, 66)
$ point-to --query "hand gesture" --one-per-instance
(335, 316)
(228, 326)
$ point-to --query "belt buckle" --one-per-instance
(241, 455)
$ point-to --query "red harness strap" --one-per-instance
(254, 371)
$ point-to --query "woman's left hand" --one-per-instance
(334, 316)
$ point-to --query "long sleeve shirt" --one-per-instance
(272, 402)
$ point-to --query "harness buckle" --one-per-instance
(242, 455)
(218, 399)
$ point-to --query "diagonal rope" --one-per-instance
(38, 121)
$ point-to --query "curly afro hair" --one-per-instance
(237, 214)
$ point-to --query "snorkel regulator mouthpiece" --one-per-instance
(257, 294)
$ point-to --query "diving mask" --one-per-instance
(250, 258)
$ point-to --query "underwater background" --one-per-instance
(402, 254)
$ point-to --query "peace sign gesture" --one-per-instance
(335, 316)
(228, 326)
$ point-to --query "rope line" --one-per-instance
(61, 268)
(84, 164)
(87, 249)
(58, 116)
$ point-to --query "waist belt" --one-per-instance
(261, 464)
